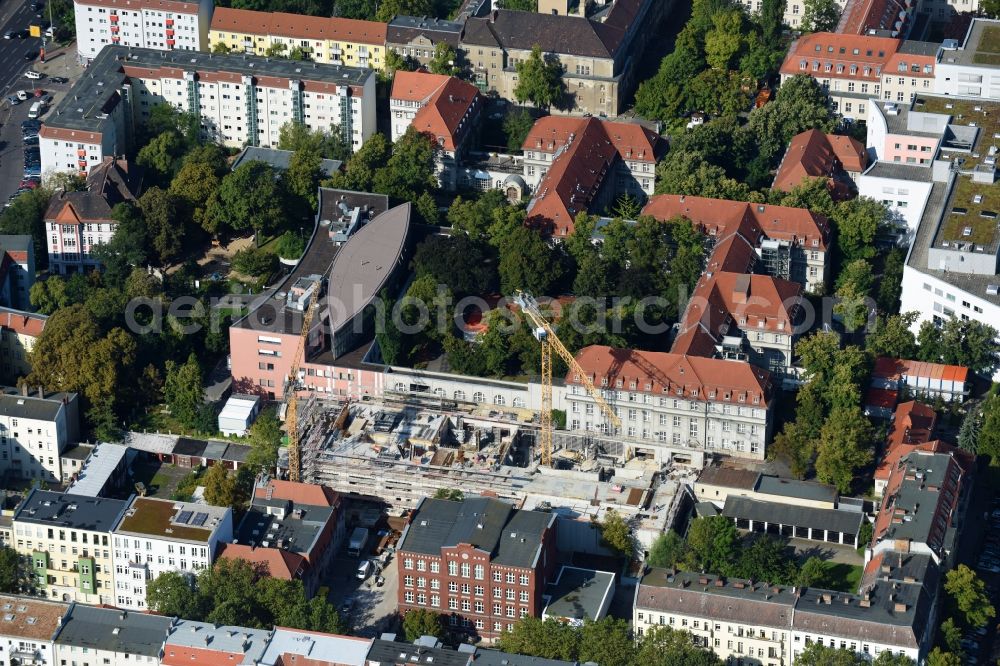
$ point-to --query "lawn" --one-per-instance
(845, 577)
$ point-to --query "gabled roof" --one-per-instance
(866, 53)
(813, 154)
(447, 103)
(280, 563)
(109, 184)
(281, 24)
(897, 368)
(572, 35)
(299, 493)
(860, 17)
(694, 377)
(23, 323)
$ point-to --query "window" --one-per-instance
(453, 568)
(466, 569)
(480, 573)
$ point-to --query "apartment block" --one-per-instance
(794, 10)
(855, 69)
(34, 432)
(969, 70)
(19, 331)
(333, 41)
(813, 154)
(240, 101)
(596, 54)
(575, 165)
(156, 536)
(745, 621)
(68, 540)
(445, 108)
(675, 400)
(481, 562)
(78, 222)
(17, 270)
(27, 627)
(415, 37)
(148, 24)
(93, 636)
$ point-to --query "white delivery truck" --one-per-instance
(358, 541)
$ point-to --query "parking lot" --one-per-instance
(368, 609)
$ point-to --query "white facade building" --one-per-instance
(93, 636)
(155, 536)
(241, 100)
(149, 24)
(968, 70)
(26, 630)
(34, 431)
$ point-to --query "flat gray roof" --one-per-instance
(279, 159)
(45, 507)
(915, 172)
(579, 594)
(114, 630)
(95, 93)
(973, 52)
(239, 640)
(775, 485)
(846, 522)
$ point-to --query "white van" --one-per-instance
(35, 110)
(364, 569)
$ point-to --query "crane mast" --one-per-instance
(546, 335)
(291, 390)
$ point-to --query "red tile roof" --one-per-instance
(861, 16)
(881, 398)
(449, 104)
(896, 369)
(813, 154)
(832, 55)
(299, 493)
(300, 26)
(280, 563)
(586, 150)
(912, 425)
(694, 377)
(720, 217)
(22, 323)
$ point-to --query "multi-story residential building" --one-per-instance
(674, 400)
(923, 504)
(34, 431)
(336, 41)
(77, 222)
(294, 529)
(67, 538)
(19, 331)
(757, 622)
(970, 70)
(480, 561)
(579, 164)
(790, 243)
(27, 627)
(854, 69)
(192, 643)
(17, 270)
(794, 10)
(813, 154)
(596, 55)
(445, 108)
(155, 536)
(149, 24)
(415, 37)
(92, 636)
(240, 100)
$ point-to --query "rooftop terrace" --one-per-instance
(171, 520)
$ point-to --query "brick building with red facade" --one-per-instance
(481, 562)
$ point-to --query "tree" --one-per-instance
(249, 199)
(421, 622)
(689, 173)
(667, 550)
(445, 60)
(410, 170)
(255, 262)
(296, 136)
(359, 172)
(845, 447)
(607, 642)
(960, 342)
(10, 570)
(528, 263)
(663, 646)
(771, 19)
(161, 154)
(26, 216)
(890, 287)
(852, 302)
(616, 533)
(938, 657)
(460, 262)
(549, 639)
(519, 5)
(816, 654)
(857, 221)
(968, 592)
(539, 80)
(892, 336)
(193, 186)
(516, 125)
(264, 439)
(394, 62)
(301, 180)
(453, 494)
(814, 573)
(712, 543)
(172, 594)
(183, 390)
(129, 246)
(820, 15)
(765, 559)
(724, 41)
(163, 225)
(220, 486)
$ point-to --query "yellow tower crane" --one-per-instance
(291, 390)
(545, 334)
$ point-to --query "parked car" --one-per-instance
(9, 34)
(32, 74)
(31, 140)
(46, 99)
(21, 95)
(29, 183)
(35, 6)
(30, 55)
(14, 101)
(58, 79)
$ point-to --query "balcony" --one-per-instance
(170, 23)
(81, 153)
(114, 30)
(170, 32)
(113, 18)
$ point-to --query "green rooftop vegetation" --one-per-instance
(153, 517)
(971, 227)
(988, 51)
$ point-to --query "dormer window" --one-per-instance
(756, 400)
(604, 381)
(854, 70)
(618, 384)
(576, 378)
(633, 385)
(649, 386)
(711, 394)
(743, 397)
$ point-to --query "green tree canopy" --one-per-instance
(712, 544)
(539, 80)
(616, 533)
(663, 646)
(183, 389)
(249, 199)
(445, 60)
(422, 622)
(820, 15)
(10, 570)
(968, 591)
(667, 550)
